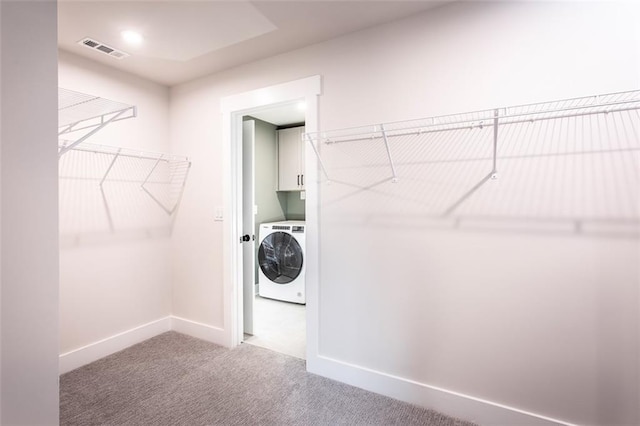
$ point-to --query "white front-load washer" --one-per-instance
(281, 261)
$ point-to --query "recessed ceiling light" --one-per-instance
(132, 37)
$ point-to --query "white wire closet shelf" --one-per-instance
(161, 176)
(82, 115)
(574, 159)
(597, 104)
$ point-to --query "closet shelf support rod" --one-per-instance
(493, 174)
(142, 186)
(66, 149)
(315, 150)
(110, 167)
(494, 171)
(151, 172)
(394, 178)
(73, 127)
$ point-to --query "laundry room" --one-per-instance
(436, 203)
(273, 148)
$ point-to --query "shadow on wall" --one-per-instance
(573, 170)
(110, 194)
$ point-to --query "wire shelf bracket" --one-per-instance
(106, 173)
(493, 174)
(315, 150)
(494, 171)
(79, 112)
(168, 210)
(394, 177)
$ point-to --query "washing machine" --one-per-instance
(281, 261)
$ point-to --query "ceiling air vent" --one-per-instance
(108, 50)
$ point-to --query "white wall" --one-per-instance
(266, 174)
(541, 322)
(295, 206)
(29, 243)
(112, 278)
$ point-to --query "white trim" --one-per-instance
(448, 402)
(198, 330)
(94, 351)
(87, 354)
(233, 108)
(275, 94)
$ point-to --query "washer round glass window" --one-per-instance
(280, 257)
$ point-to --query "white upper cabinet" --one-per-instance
(291, 159)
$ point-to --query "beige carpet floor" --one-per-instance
(173, 379)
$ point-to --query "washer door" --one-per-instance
(280, 257)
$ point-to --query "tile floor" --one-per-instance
(279, 326)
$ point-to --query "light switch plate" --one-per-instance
(303, 195)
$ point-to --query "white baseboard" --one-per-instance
(94, 351)
(454, 404)
(105, 347)
(199, 330)
(447, 402)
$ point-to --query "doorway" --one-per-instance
(274, 229)
(234, 109)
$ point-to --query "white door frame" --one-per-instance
(233, 109)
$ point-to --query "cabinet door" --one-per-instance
(289, 177)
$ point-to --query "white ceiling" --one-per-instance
(282, 115)
(186, 39)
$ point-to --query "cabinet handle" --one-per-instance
(298, 180)
(301, 180)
